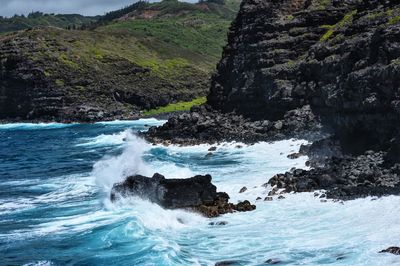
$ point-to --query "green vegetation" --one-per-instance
(38, 19)
(320, 4)
(60, 82)
(392, 16)
(135, 60)
(175, 107)
(331, 29)
(394, 20)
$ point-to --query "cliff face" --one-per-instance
(340, 57)
(53, 74)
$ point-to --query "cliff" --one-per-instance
(135, 59)
(308, 69)
(340, 57)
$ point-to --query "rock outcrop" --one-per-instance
(56, 75)
(393, 250)
(345, 178)
(339, 60)
(203, 124)
(196, 193)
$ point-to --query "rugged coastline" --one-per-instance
(323, 71)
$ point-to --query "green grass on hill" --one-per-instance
(38, 19)
(175, 107)
(163, 58)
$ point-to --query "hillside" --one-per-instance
(38, 19)
(122, 66)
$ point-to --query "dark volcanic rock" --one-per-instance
(291, 64)
(44, 76)
(345, 178)
(197, 193)
(206, 125)
(393, 250)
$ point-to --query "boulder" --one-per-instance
(196, 193)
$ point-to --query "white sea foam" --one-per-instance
(299, 229)
(108, 140)
(40, 263)
(113, 169)
(33, 126)
(140, 122)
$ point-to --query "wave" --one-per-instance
(139, 122)
(113, 169)
(109, 140)
(33, 126)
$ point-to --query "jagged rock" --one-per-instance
(211, 126)
(243, 189)
(196, 193)
(393, 250)
(295, 155)
(345, 178)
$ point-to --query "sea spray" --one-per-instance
(113, 169)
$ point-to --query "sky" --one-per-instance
(85, 7)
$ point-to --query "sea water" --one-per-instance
(55, 181)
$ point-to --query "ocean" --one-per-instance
(55, 181)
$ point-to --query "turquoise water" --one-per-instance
(55, 181)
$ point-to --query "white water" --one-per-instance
(298, 230)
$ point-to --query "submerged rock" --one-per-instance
(196, 193)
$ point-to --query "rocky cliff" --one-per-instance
(340, 57)
(293, 63)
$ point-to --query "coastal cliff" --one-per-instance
(309, 69)
(129, 61)
(340, 57)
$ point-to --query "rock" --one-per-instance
(294, 155)
(227, 263)
(278, 125)
(218, 223)
(258, 198)
(169, 193)
(268, 199)
(392, 250)
(337, 88)
(273, 261)
(243, 189)
(212, 149)
(196, 193)
(44, 78)
(281, 197)
(244, 206)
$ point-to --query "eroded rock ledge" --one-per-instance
(196, 193)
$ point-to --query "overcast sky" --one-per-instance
(84, 7)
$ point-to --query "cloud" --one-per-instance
(84, 7)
